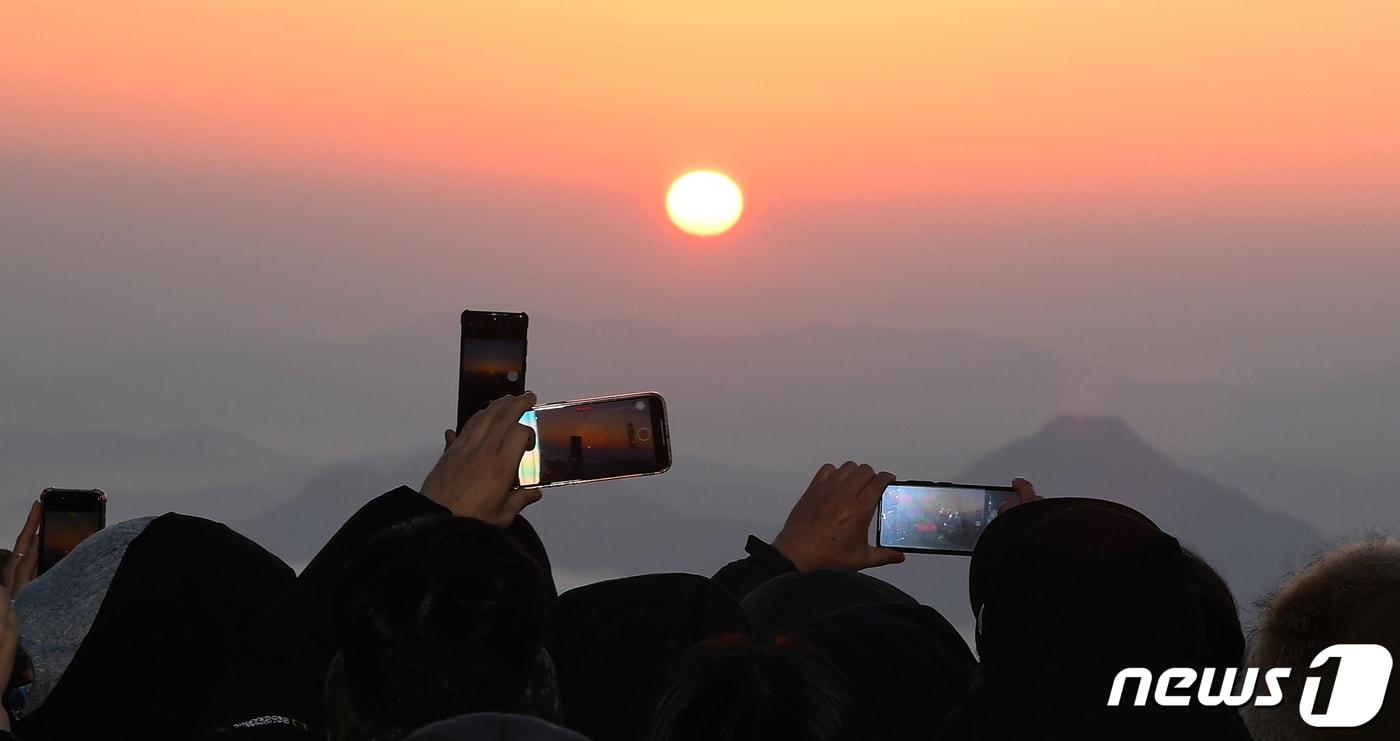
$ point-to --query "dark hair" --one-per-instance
(1220, 617)
(734, 689)
(435, 618)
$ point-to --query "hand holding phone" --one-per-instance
(609, 437)
(941, 517)
(70, 516)
(829, 527)
(475, 477)
(23, 565)
(492, 360)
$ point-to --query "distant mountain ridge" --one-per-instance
(228, 474)
(697, 517)
(1103, 457)
(951, 395)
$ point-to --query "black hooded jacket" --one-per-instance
(619, 645)
(173, 623)
(1068, 592)
(277, 691)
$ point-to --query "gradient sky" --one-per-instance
(1192, 189)
(978, 100)
(235, 238)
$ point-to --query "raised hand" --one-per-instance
(829, 527)
(23, 565)
(475, 477)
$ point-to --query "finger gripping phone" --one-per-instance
(69, 517)
(938, 517)
(610, 437)
(492, 362)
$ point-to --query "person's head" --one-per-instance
(737, 689)
(1100, 578)
(436, 618)
(1069, 592)
(1220, 615)
(1350, 594)
(791, 601)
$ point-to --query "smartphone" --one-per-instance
(610, 437)
(69, 517)
(937, 517)
(492, 362)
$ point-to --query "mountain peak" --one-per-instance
(1106, 446)
(1088, 427)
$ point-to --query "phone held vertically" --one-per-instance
(492, 360)
(69, 517)
(608, 437)
(938, 517)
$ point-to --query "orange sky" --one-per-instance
(977, 99)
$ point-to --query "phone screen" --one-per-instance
(69, 518)
(492, 361)
(937, 517)
(596, 439)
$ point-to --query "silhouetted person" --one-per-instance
(278, 690)
(1068, 592)
(618, 644)
(437, 618)
(1350, 594)
(737, 689)
(129, 635)
(904, 666)
(1220, 615)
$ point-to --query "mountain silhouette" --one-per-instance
(619, 527)
(1103, 457)
(202, 470)
(697, 520)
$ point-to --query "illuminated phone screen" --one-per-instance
(492, 362)
(927, 517)
(64, 530)
(584, 441)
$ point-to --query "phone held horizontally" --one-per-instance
(492, 361)
(938, 517)
(69, 517)
(609, 437)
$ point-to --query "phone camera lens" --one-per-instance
(643, 434)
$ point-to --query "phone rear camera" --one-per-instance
(643, 434)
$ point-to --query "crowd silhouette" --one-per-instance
(432, 614)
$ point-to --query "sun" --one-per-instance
(704, 203)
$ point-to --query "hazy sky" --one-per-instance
(1185, 190)
(235, 238)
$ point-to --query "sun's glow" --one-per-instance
(704, 203)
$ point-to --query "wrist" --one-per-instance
(793, 552)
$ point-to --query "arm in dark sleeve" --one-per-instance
(278, 690)
(764, 562)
